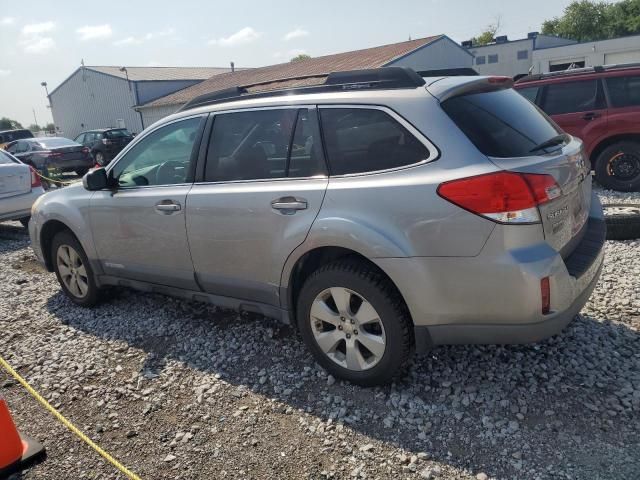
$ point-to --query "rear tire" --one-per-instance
(367, 341)
(618, 167)
(73, 270)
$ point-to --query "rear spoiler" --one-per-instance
(449, 87)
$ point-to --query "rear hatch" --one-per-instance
(518, 137)
(15, 179)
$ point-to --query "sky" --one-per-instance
(45, 41)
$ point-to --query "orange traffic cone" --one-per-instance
(16, 450)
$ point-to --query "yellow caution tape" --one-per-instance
(67, 423)
(52, 179)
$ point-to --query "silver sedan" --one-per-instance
(20, 186)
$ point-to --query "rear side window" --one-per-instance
(362, 140)
(571, 97)
(264, 144)
(624, 91)
(530, 93)
(501, 123)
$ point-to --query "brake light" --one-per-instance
(545, 292)
(499, 79)
(504, 197)
(35, 178)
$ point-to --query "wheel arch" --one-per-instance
(607, 142)
(49, 230)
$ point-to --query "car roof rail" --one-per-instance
(449, 72)
(578, 71)
(385, 78)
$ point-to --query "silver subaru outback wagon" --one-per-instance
(381, 213)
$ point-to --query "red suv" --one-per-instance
(600, 105)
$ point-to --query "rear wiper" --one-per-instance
(557, 140)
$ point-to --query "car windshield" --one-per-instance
(502, 123)
(119, 133)
(56, 142)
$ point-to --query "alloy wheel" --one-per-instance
(347, 328)
(72, 271)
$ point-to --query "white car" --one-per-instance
(20, 186)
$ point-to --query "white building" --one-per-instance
(587, 54)
(511, 57)
(105, 96)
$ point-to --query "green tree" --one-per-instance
(487, 36)
(299, 58)
(585, 20)
(34, 128)
(8, 124)
(50, 127)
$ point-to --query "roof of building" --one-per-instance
(311, 71)
(137, 74)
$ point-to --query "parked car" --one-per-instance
(7, 136)
(45, 153)
(600, 105)
(105, 143)
(20, 186)
(437, 211)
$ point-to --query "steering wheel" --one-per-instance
(167, 174)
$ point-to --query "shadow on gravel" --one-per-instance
(565, 404)
(17, 235)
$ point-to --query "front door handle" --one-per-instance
(167, 206)
(590, 115)
(289, 205)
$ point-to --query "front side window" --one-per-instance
(264, 144)
(493, 58)
(571, 97)
(164, 157)
(362, 140)
(80, 138)
(624, 91)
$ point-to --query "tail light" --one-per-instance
(545, 292)
(35, 178)
(504, 197)
(54, 154)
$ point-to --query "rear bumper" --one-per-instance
(19, 206)
(495, 297)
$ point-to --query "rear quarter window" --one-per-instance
(500, 123)
(571, 97)
(624, 91)
(360, 140)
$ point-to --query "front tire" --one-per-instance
(73, 270)
(618, 167)
(355, 323)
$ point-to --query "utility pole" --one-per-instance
(34, 117)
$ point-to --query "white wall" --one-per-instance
(508, 63)
(151, 115)
(93, 100)
(443, 53)
(593, 53)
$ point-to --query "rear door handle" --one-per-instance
(289, 205)
(167, 206)
(590, 115)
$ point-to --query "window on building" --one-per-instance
(523, 54)
(624, 91)
(570, 97)
(481, 60)
(365, 140)
(493, 58)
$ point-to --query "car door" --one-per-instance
(255, 199)
(139, 225)
(578, 107)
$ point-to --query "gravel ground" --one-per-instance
(185, 390)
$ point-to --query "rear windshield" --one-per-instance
(16, 135)
(119, 133)
(6, 159)
(501, 123)
(56, 142)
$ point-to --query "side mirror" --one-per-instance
(95, 180)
